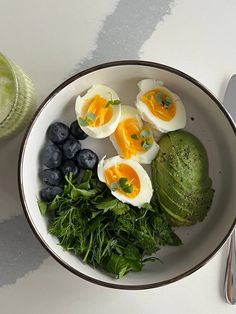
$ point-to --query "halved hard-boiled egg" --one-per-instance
(132, 139)
(127, 179)
(98, 111)
(159, 106)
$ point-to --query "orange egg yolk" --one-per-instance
(97, 107)
(159, 110)
(114, 173)
(127, 137)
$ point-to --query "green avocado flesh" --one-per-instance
(180, 178)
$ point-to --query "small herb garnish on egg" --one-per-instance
(123, 185)
(146, 145)
(145, 133)
(158, 97)
(146, 136)
(134, 136)
(83, 122)
(167, 102)
(164, 101)
(114, 186)
(113, 102)
(89, 117)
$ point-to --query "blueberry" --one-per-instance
(87, 159)
(51, 156)
(70, 148)
(69, 166)
(51, 176)
(77, 132)
(48, 194)
(58, 132)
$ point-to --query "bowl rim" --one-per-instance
(20, 166)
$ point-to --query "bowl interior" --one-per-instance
(204, 119)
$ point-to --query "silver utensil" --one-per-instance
(230, 272)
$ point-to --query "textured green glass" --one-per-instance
(17, 98)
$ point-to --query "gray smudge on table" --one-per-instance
(125, 31)
(121, 37)
(20, 251)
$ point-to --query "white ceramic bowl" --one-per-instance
(206, 118)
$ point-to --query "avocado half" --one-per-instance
(180, 178)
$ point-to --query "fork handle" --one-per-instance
(230, 273)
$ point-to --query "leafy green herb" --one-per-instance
(42, 206)
(158, 97)
(54, 204)
(114, 205)
(134, 136)
(83, 122)
(145, 133)
(162, 100)
(124, 186)
(131, 259)
(89, 117)
(107, 204)
(85, 181)
(114, 186)
(104, 232)
(121, 208)
(146, 145)
(148, 206)
(113, 102)
(167, 102)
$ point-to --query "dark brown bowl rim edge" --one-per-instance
(24, 143)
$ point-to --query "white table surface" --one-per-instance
(53, 39)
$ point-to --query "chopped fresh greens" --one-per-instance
(104, 232)
(42, 207)
(113, 204)
(122, 184)
(113, 102)
(163, 100)
(121, 264)
(125, 186)
(114, 186)
(146, 145)
(83, 122)
(89, 117)
(146, 140)
(167, 102)
(145, 133)
(146, 136)
(134, 136)
(158, 97)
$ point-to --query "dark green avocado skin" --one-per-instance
(180, 178)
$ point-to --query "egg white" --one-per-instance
(146, 189)
(145, 157)
(106, 129)
(178, 121)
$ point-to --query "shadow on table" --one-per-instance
(20, 252)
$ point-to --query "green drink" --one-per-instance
(17, 98)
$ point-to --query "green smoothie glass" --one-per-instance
(17, 98)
